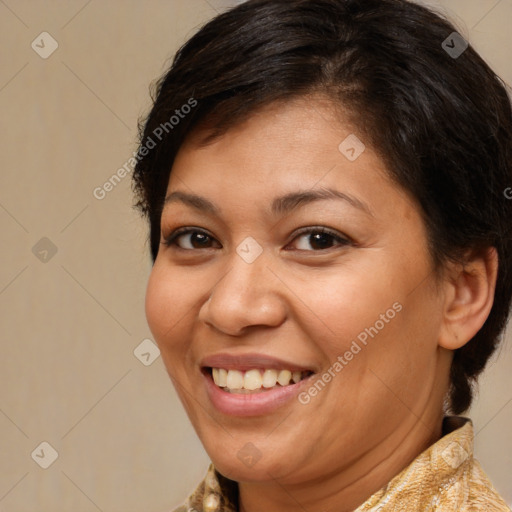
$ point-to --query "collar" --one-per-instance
(439, 477)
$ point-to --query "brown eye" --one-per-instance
(190, 239)
(319, 239)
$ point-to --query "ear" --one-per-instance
(469, 296)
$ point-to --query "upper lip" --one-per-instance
(244, 362)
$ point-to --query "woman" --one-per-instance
(324, 182)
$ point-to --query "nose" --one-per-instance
(248, 295)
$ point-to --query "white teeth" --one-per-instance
(254, 380)
(269, 378)
(220, 377)
(235, 379)
(223, 377)
(284, 377)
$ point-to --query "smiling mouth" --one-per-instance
(256, 380)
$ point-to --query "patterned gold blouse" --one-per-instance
(444, 478)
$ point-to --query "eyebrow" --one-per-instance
(280, 205)
(199, 203)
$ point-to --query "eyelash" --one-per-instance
(342, 241)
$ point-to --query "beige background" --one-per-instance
(70, 324)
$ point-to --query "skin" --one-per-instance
(307, 304)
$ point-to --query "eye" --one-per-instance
(317, 239)
(189, 239)
(309, 239)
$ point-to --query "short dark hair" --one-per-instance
(442, 122)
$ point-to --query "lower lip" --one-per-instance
(254, 404)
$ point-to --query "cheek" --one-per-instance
(168, 304)
(346, 302)
(156, 304)
(401, 351)
(166, 314)
(375, 309)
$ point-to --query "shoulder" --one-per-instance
(482, 496)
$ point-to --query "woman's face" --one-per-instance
(336, 283)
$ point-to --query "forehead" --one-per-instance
(298, 138)
(300, 145)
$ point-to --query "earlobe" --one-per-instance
(469, 296)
